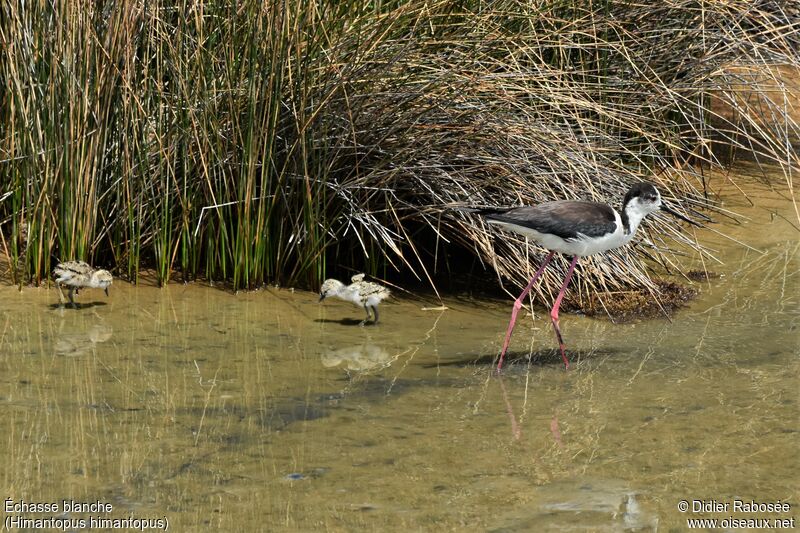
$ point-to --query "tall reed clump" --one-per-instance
(257, 141)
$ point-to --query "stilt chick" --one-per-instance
(79, 275)
(364, 294)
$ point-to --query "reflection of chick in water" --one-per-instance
(80, 343)
(360, 357)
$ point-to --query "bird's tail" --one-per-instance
(483, 210)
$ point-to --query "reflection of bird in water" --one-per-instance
(360, 357)
(593, 504)
(79, 275)
(73, 344)
(366, 294)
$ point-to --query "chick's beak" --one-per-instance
(321, 296)
(674, 213)
(106, 291)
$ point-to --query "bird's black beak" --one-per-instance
(106, 289)
(674, 213)
(321, 296)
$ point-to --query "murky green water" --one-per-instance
(267, 411)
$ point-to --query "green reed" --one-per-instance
(259, 142)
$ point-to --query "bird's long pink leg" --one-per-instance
(518, 306)
(554, 311)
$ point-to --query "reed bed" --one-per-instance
(275, 142)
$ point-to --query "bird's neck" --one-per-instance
(631, 218)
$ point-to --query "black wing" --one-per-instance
(565, 219)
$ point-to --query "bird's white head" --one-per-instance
(641, 200)
(101, 279)
(331, 287)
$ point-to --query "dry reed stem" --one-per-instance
(259, 141)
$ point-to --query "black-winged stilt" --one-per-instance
(78, 275)
(366, 294)
(575, 228)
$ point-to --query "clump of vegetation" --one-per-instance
(625, 306)
(258, 141)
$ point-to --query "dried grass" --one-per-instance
(262, 142)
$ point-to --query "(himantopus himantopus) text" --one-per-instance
(575, 228)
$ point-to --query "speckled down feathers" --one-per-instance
(368, 291)
(79, 274)
(359, 292)
(365, 294)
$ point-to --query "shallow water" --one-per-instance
(267, 411)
